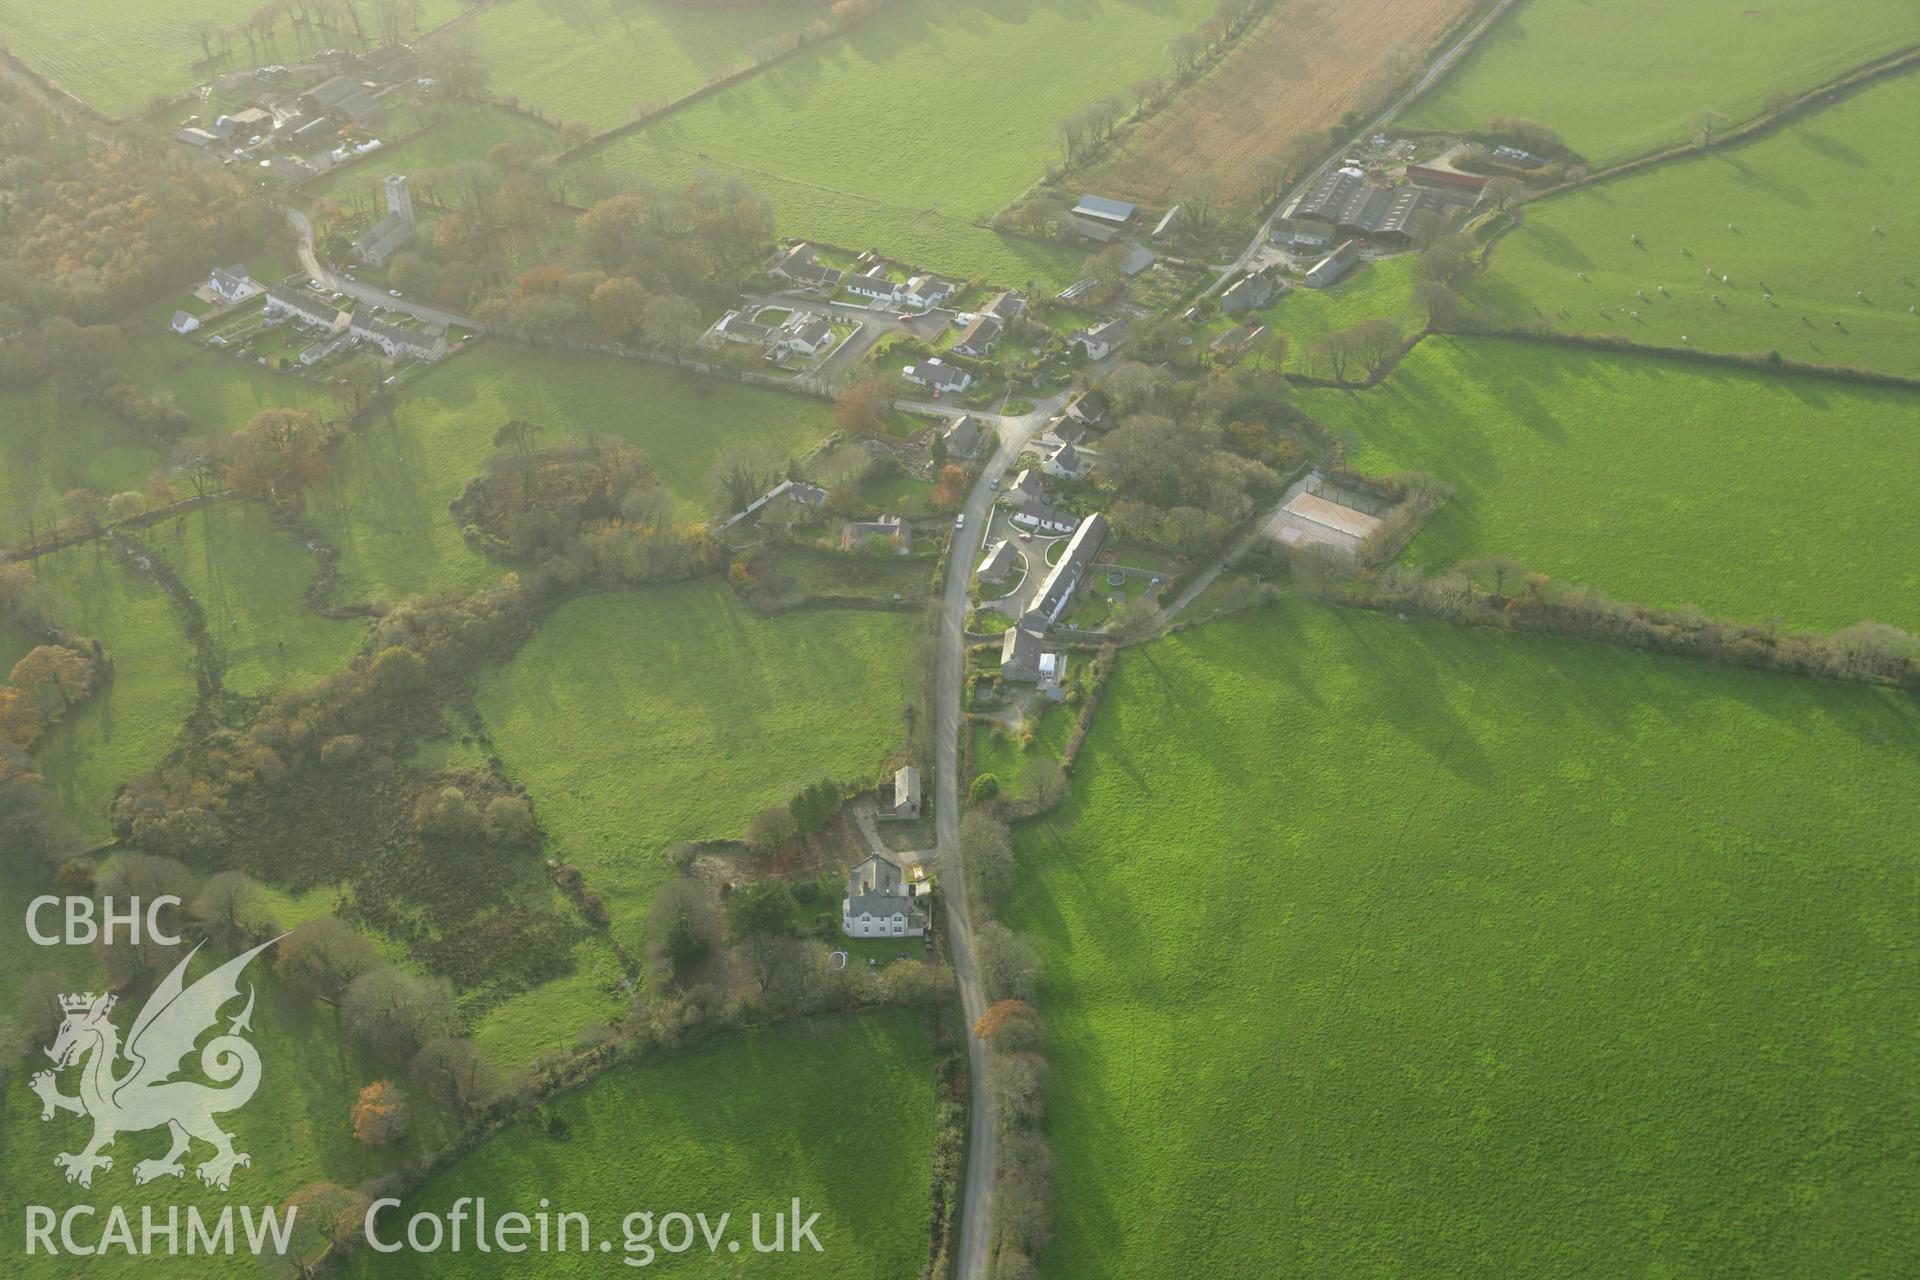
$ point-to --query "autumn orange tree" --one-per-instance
(863, 407)
(949, 487)
(380, 1114)
(278, 453)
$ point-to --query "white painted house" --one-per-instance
(938, 374)
(879, 904)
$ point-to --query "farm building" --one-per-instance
(879, 903)
(1346, 201)
(1329, 269)
(1097, 232)
(906, 796)
(1164, 228)
(1439, 176)
(1116, 213)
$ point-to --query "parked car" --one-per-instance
(960, 521)
(994, 484)
(393, 293)
(1026, 537)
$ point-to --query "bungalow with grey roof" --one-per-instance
(938, 374)
(1041, 516)
(876, 283)
(980, 334)
(804, 333)
(735, 327)
(800, 265)
(880, 904)
(183, 322)
(998, 562)
(1066, 463)
(925, 290)
(962, 436)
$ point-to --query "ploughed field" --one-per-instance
(1632, 76)
(1804, 241)
(1434, 951)
(1660, 481)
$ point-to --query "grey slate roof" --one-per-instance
(1061, 580)
(308, 306)
(1104, 209)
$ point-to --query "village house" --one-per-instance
(1026, 659)
(962, 437)
(735, 327)
(1091, 409)
(927, 291)
(1329, 269)
(183, 322)
(304, 308)
(875, 283)
(1057, 589)
(393, 232)
(803, 334)
(231, 284)
(892, 529)
(1066, 463)
(799, 265)
(1252, 291)
(980, 334)
(1099, 341)
(393, 340)
(879, 904)
(939, 375)
(998, 562)
(905, 806)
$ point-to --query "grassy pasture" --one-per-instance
(120, 54)
(296, 1128)
(1382, 288)
(1441, 952)
(251, 578)
(836, 1111)
(129, 726)
(1590, 70)
(1794, 212)
(386, 507)
(596, 60)
(1656, 480)
(641, 719)
(940, 140)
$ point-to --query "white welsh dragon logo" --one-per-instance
(146, 1095)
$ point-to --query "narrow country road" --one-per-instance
(1437, 68)
(974, 1250)
(317, 270)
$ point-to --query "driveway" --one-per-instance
(317, 270)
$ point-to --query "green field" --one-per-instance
(251, 578)
(296, 1129)
(467, 133)
(940, 141)
(1590, 70)
(129, 726)
(596, 60)
(1659, 481)
(836, 1111)
(641, 719)
(1815, 217)
(118, 55)
(1379, 288)
(1558, 960)
(386, 508)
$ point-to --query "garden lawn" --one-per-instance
(297, 1129)
(740, 1126)
(386, 506)
(896, 137)
(251, 577)
(637, 720)
(467, 133)
(1660, 481)
(130, 725)
(119, 54)
(1380, 948)
(996, 750)
(596, 60)
(1591, 70)
(1811, 211)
